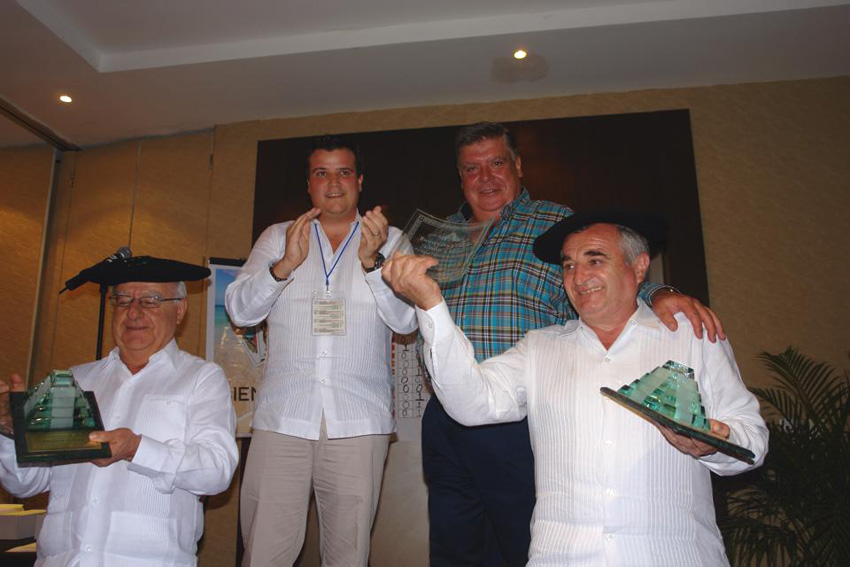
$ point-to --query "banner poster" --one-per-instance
(411, 391)
(241, 352)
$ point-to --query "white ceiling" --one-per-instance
(139, 68)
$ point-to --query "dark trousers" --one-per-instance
(480, 491)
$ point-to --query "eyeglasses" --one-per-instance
(145, 302)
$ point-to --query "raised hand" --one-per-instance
(373, 234)
(406, 275)
(297, 244)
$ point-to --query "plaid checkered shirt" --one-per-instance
(507, 291)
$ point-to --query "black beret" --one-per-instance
(651, 226)
(146, 269)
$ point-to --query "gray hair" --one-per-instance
(632, 244)
(179, 290)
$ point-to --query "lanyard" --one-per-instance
(322, 254)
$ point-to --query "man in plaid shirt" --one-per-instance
(481, 479)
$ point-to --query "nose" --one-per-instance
(580, 274)
(486, 174)
(134, 311)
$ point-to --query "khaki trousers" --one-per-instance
(280, 472)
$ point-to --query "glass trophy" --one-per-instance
(52, 422)
(452, 243)
(669, 396)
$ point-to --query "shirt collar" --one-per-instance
(168, 354)
(642, 316)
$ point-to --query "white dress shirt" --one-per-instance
(611, 491)
(347, 378)
(146, 512)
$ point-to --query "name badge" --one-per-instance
(328, 317)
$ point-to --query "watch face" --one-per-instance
(379, 260)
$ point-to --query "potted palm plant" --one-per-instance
(795, 510)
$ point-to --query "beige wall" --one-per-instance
(774, 183)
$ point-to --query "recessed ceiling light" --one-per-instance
(520, 54)
(66, 99)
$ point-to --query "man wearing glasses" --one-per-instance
(169, 423)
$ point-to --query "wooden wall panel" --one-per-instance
(98, 223)
(52, 282)
(25, 179)
(171, 213)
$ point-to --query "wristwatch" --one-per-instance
(379, 261)
(274, 275)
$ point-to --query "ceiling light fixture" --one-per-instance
(520, 54)
(66, 99)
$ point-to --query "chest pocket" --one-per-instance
(161, 418)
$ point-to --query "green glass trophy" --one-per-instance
(53, 420)
(669, 396)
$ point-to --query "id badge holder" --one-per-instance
(328, 317)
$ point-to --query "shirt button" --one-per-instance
(324, 353)
(607, 359)
(610, 492)
(609, 443)
(323, 380)
(88, 548)
(609, 537)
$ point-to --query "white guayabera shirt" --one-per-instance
(345, 377)
(611, 491)
(146, 512)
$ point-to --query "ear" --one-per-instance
(360, 182)
(640, 266)
(182, 306)
(518, 165)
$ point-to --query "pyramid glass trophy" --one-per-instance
(669, 396)
(452, 243)
(53, 420)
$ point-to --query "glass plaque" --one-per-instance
(669, 396)
(452, 243)
(53, 420)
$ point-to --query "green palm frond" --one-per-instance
(795, 511)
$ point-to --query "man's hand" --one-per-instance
(297, 244)
(666, 304)
(15, 384)
(373, 233)
(122, 442)
(406, 275)
(692, 447)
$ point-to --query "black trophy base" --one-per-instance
(721, 445)
(55, 446)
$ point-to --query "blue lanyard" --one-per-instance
(341, 252)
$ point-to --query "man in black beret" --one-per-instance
(611, 489)
(169, 423)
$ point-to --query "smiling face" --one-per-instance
(333, 184)
(140, 333)
(490, 176)
(600, 285)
